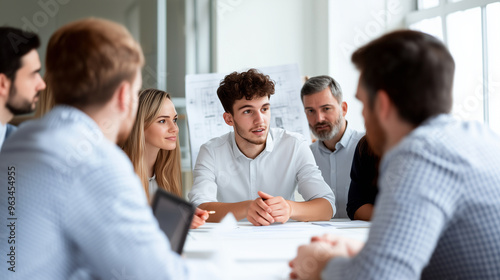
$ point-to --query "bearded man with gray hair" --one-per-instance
(336, 141)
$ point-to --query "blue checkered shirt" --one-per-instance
(437, 215)
(80, 210)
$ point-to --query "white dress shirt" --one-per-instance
(336, 166)
(224, 174)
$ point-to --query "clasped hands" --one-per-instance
(268, 209)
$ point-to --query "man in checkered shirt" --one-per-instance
(437, 214)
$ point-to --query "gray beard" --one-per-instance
(328, 135)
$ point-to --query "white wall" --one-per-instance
(45, 16)
(352, 24)
(257, 33)
(319, 35)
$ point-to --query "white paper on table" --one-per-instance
(344, 225)
(290, 230)
(283, 238)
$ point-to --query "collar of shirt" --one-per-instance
(427, 131)
(237, 152)
(68, 113)
(344, 141)
(3, 131)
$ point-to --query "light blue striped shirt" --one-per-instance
(336, 166)
(437, 215)
(80, 211)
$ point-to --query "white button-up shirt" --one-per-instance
(336, 166)
(224, 174)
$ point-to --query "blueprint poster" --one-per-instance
(204, 110)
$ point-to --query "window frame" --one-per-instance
(446, 8)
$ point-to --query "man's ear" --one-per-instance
(228, 118)
(344, 108)
(5, 84)
(123, 96)
(383, 105)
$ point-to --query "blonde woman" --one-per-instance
(153, 147)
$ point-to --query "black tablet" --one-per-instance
(174, 216)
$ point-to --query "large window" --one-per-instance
(471, 30)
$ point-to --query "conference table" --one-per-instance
(245, 251)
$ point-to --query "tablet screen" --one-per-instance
(174, 216)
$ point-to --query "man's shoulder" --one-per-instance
(61, 138)
(314, 145)
(218, 141)
(27, 135)
(286, 137)
(444, 136)
(357, 135)
(353, 136)
(9, 129)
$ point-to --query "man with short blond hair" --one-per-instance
(78, 209)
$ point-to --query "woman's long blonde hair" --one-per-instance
(46, 101)
(167, 167)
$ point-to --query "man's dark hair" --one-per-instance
(415, 69)
(319, 83)
(248, 85)
(14, 44)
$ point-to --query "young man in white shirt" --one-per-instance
(334, 149)
(254, 171)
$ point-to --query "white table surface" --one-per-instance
(244, 251)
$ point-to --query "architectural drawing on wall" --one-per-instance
(205, 111)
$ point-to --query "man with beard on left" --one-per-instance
(336, 141)
(20, 80)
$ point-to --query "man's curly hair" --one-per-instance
(248, 85)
